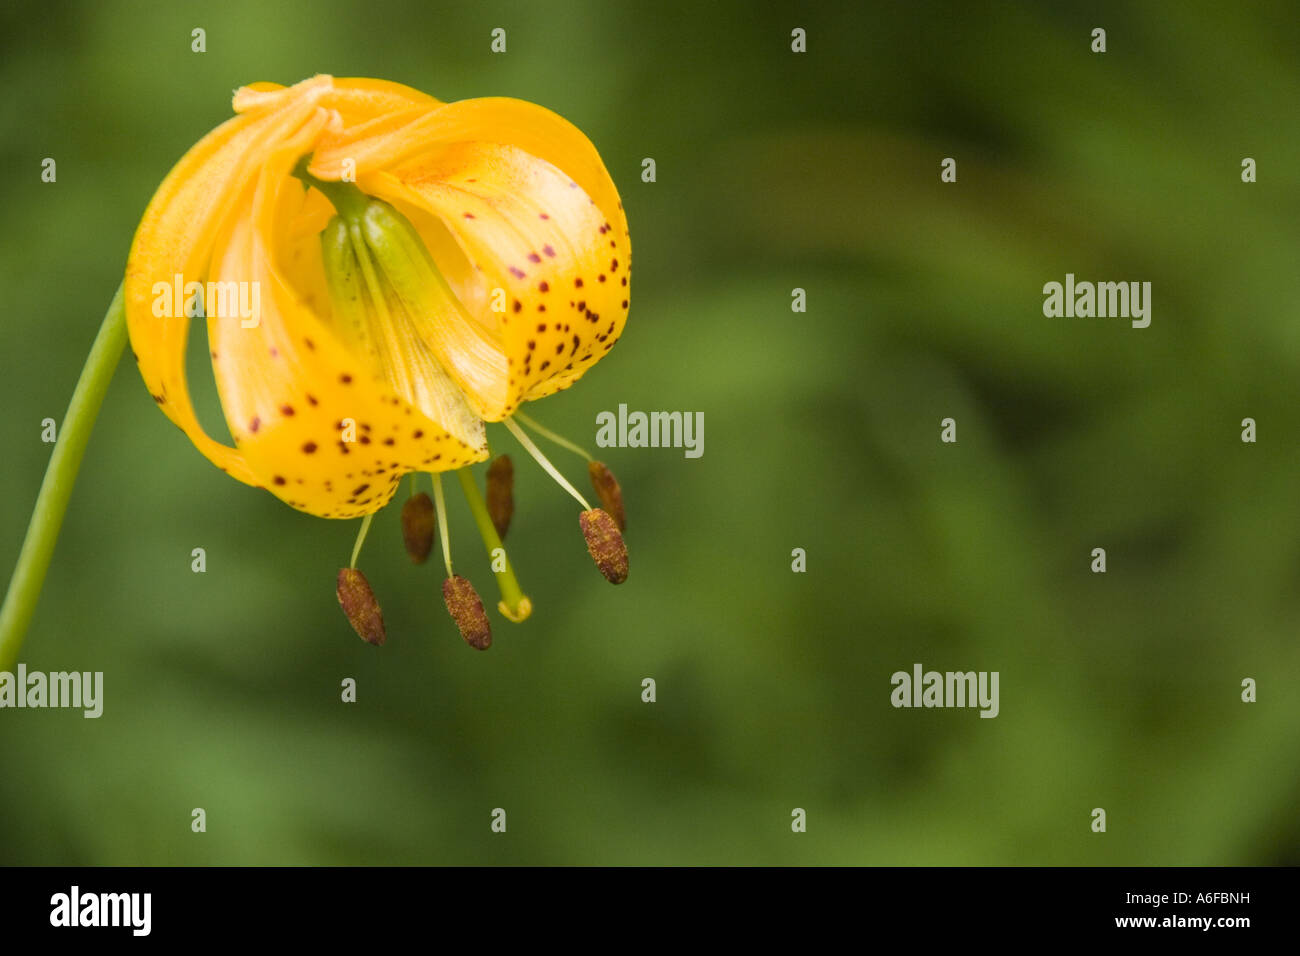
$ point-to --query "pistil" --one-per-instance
(515, 605)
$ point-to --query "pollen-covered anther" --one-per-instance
(501, 493)
(359, 604)
(605, 543)
(466, 610)
(418, 526)
(608, 490)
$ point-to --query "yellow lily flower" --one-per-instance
(382, 273)
(523, 287)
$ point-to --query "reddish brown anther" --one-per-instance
(467, 611)
(605, 544)
(359, 604)
(418, 526)
(501, 493)
(607, 488)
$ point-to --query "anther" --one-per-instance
(466, 610)
(501, 493)
(608, 490)
(605, 544)
(418, 526)
(359, 604)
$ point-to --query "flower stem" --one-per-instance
(60, 476)
(514, 606)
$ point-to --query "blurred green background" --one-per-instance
(775, 171)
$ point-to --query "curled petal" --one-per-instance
(177, 236)
(537, 218)
(317, 424)
(537, 237)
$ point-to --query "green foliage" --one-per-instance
(775, 171)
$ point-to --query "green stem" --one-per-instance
(514, 604)
(60, 476)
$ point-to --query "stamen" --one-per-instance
(609, 491)
(442, 522)
(602, 479)
(542, 460)
(360, 606)
(514, 605)
(466, 610)
(418, 526)
(501, 493)
(361, 538)
(605, 544)
(558, 439)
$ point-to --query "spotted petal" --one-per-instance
(537, 218)
(177, 236)
(319, 424)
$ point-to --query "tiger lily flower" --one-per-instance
(382, 274)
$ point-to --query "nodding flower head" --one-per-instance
(382, 274)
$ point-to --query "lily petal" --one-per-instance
(176, 237)
(290, 387)
(533, 232)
